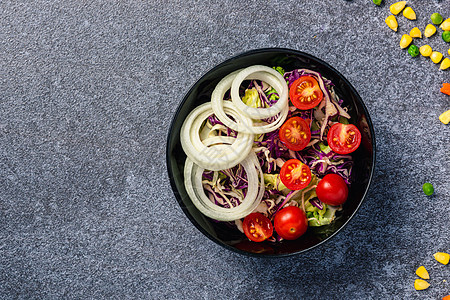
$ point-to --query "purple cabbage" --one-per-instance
(213, 120)
(315, 157)
(236, 178)
(317, 203)
(297, 73)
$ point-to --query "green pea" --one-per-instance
(446, 36)
(428, 188)
(413, 50)
(377, 2)
(436, 18)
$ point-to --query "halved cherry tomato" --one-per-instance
(295, 175)
(305, 93)
(295, 133)
(332, 190)
(344, 138)
(290, 223)
(257, 227)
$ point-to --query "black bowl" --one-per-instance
(364, 157)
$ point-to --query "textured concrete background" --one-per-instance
(87, 93)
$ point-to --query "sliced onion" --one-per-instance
(214, 158)
(268, 75)
(193, 183)
(341, 111)
(218, 104)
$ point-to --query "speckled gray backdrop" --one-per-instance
(87, 93)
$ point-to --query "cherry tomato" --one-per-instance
(295, 133)
(257, 227)
(290, 223)
(305, 93)
(344, 138)
(295, 175)
(332, 190)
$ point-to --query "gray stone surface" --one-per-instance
(87, 93)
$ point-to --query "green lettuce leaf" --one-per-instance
(271, 180)
(319, 217)
(251, 98)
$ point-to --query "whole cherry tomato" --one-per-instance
(332, 190)
(290, 222)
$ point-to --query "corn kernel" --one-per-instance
(425, 50)
(436, 57)
(442, 257)
(444, 118)
(420, 284)
(397, 7)
(422, 272)
(448, 51)
(391, 21)
(415, 33)
(409, 13)
(445, 64)
(429, 30)
(445, 25)
(405, 41)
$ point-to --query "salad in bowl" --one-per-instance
(269, 156)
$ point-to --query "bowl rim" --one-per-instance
(181, 104)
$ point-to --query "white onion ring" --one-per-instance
(266, 74)
(217, 104)
(193, 183)
(213, 158)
